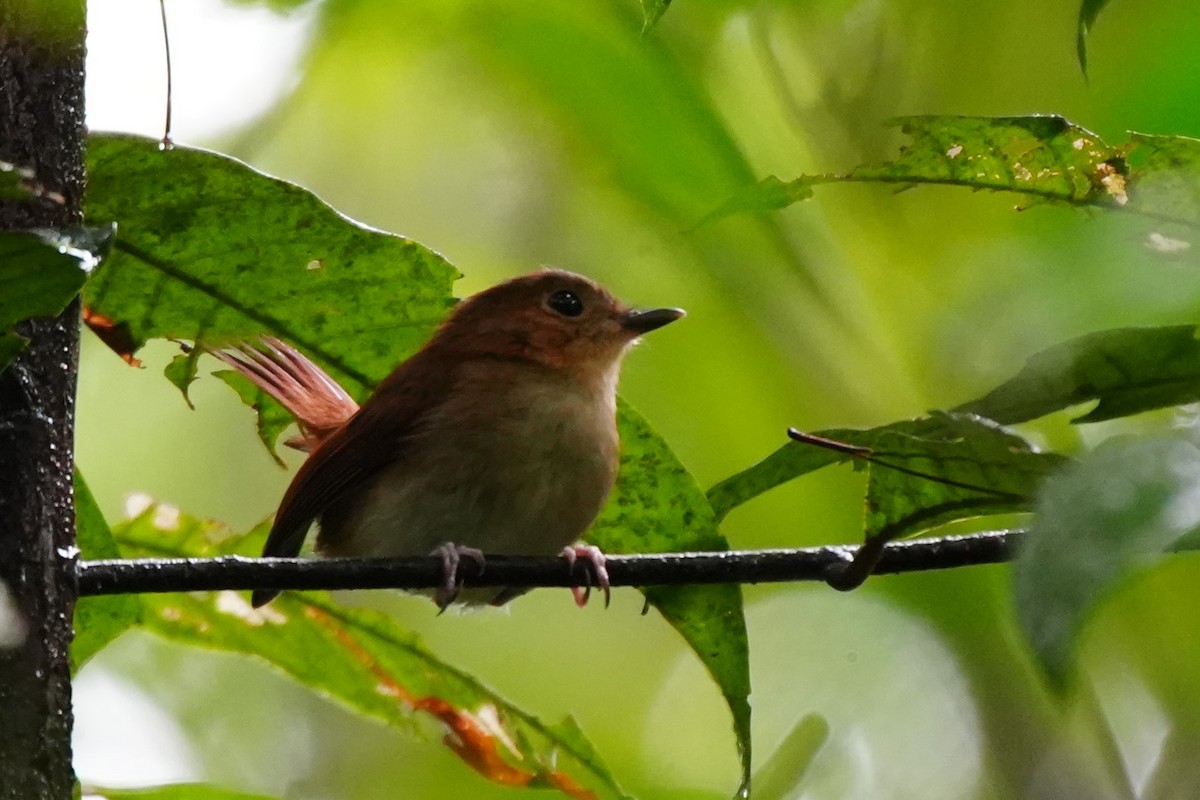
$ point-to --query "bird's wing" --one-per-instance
(346, 459)
(371, 440)
(350, 457)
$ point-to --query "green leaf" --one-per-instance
(1041, 156)
(181, 372)
(920, 473)
(657, 507)
(945, 468)
(177, 791)
(40, 272)
(98, 620)
(1129, 370)
(787, 463)
(1088, 11)
(769, 194)
(1046, 159)
(1097, 521)
(210, 251)
(360, 658)
(652, 11)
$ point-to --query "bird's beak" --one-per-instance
(639, 322)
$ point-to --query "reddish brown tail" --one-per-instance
(318, 403)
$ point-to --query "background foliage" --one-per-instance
(506, 136)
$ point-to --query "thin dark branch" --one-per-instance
(166, 137)
(868, 454)
(126, 576)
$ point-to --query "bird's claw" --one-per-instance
(595, 558)
(451, 554)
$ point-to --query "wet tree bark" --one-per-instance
(41, 126)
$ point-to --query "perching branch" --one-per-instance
(126, 576)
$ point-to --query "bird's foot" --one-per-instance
(595, 559)
(451, 554)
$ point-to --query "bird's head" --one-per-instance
(555, 318)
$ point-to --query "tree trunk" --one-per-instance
(41, 126)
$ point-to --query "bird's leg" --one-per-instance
(593, 557)
(451, 554)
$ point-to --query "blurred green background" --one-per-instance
(510, 135)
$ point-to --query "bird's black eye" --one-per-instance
(566, 303)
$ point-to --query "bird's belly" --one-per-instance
(531, 486)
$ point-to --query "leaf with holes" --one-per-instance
(1044, 159)
(363, 660)
(209, 250)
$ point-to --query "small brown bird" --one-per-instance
(499, 433)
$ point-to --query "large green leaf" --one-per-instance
(1096, 522)
(1128, 370)
(40, 271)
(920, 473)
(98, 620)
(210, 250)
(177, 791)
(361, 659)
(658, 507)
(1044, 158)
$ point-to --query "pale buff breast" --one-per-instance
(525, 472)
